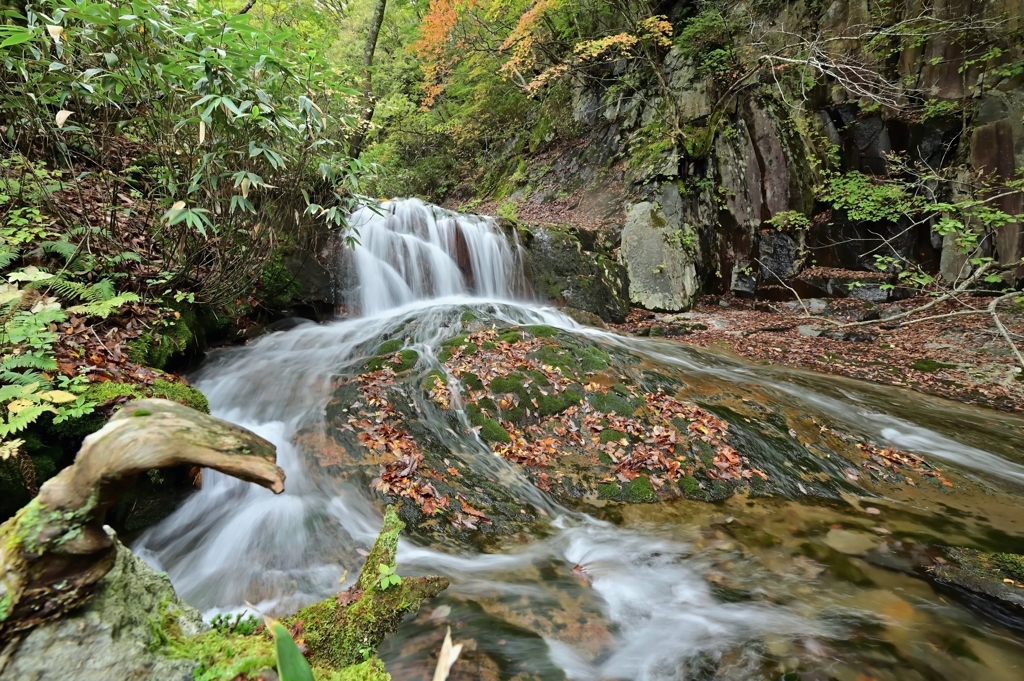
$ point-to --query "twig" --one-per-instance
(1002, 329)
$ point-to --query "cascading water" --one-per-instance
(409, 251)
(665, 593)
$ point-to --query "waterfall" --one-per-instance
(652, 589)
(410, 251)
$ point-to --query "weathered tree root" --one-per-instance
(338, 630)
(54, 551)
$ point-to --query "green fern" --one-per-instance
(28, 361)
(105, 308)
(23, 419)
(73, 290)
(65, 249)
(8, 254)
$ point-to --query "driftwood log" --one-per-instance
(54, 551)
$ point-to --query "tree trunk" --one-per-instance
(355, 144)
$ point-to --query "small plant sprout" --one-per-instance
(387, 578)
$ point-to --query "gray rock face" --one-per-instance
(781, 254)
(563, 271)
(109, 639)
(660, 260)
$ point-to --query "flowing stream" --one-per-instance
(784, 586)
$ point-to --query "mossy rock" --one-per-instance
(613, 402)
(490, 429)
(111, 392)
(406, 360)
(639, 490)
(930, 365)
(390, 347)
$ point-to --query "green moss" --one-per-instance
(223, 657)
(490, 429)
(930, 365)
(470, 349)
(371, 670)
(640, 490)
(510, 336)
(691, 487)
(472, 381)
(110, 392)
(611, 403)
(407, 360)
(541, 331)
(338, 635)
(1011, 564)
(611, 436)
(608, 490)
(593, 359)
(454, 342)
(513, 383)
(389, 347)
(488, 345)
(468, 316)
(549, 405)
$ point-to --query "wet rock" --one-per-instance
(111, 637)
(991, 584)
(810, 305)
(850, 543)
(659, 260)
(563, 270)
(743, 282)
(584, 317)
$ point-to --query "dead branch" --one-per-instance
(54, 551)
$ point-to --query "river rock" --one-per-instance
(850, 543)
(660, 265)
(563, 270)
(110, 638)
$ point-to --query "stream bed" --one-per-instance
(751, 522)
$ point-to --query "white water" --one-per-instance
(233, 542)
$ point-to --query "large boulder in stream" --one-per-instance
(464, 436)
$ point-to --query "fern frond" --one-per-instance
(23, 419)
(65, 249)
(105, 308)
(28, 361)
(21, 379)
(8, 254)
(74, 290)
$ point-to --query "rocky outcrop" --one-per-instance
(726, 165)
(572, 267)
(660, 259)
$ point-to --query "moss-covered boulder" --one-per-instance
(114, 636)
(589, 280)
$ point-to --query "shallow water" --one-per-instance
(747, 588)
